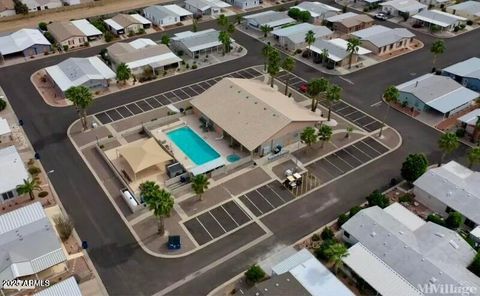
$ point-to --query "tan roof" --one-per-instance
(356, 20)
(125, 53)
(6, 5)
(125, 20)
(62, 31)
(142, 155)
(250, 111)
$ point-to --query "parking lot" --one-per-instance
(169, 97)
(343, 109)
(216, 222)
(266, 198)
(346, 159)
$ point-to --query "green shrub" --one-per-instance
(404, 104)
(254, 274)
(454, 220)
(376, 198)
(469, 22)
(327, 233)
(64, 226)
(43, 194)
(320, 251)
(34, 171)
(414, 166)
(435, 218)
(194, 66)
(65, 47)
(407, 198)
(315, 237)
(460, 132)
(354, 211)
(475, 266)
(342, 219)
(108, 36)
(3, 104)
(42, 26)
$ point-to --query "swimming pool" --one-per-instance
(193, 145)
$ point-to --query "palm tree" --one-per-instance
(315, 88)
(238, 19)
(123, 73)
(390, 95)
(325, 56)
(447, 143)
(161, 203)
(273, 64)
(266, 53)
(333, 94)
(147, 189)
(476, 130)
(324, 134)
(353, 46)
(166, 40)
(288, 64)
(29, 186)
(194, 25)
(224, 38)
(309, 136)
(473, 156)
(265, 30)
(335, 254)
(222, 21)
(438, 47)
(200, 184)
(81, 97)
(309, 39)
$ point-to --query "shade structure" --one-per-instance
(144, 155)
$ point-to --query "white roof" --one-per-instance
(21, 40)
(296, 33)
(208, 166)
(77, 71)
(141, 19)
(141, 43)
(116, 26)
(339, 17)
(381, 36)
(405, 5)
(456, 186)
(377, 273)
(28, 243)
(409, 219)
(471, 7)
(66, 287)
(439, 92)
(86, 28)
(337, 48)
(312, 275)
(12, 169)
(469, 68)
(4, 127)
(156, 61)
(270, 18)
(471, 117)
(316, 9)
(178, 10)
(438, 18)
(476, 232)
(200, 40)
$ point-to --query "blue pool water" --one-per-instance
(193, 145)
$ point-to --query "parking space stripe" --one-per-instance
(361, 150)
(229, 215)
(252, 203)
(273, 207)
(372, 147)
(346, 151)
(273, 190)
(339, 157)
(210, 212)
(326, 159)
(200, 222)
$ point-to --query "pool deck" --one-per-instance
(212, 138)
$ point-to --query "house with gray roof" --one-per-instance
(293, 37)
(66, 287)
(196, 43)
(245, 4)
(466, 73)
(270, 18)
(469, 123)
(166, 15)
(396, 258)
(468, 9)
(437, 94)
(12, 172)
(382, 40)
(399, 7)
(206, 7)
(28, 243)
(26, 42)
(337, 54)
(439, 19)
(318, 11)
(451, 187)
(90, 72)
(38, 5)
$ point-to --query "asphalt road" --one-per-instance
(122, 265)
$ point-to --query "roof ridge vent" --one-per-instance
(373, 234)
(454, 244)
(439, 234)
